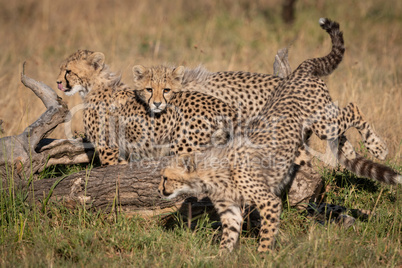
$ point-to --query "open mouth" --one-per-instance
(60, 86)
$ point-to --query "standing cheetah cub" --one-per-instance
(258, 164)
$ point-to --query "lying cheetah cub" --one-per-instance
(259, 162)
(156, 86)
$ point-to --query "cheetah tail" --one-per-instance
(327, 64)
(366, 168)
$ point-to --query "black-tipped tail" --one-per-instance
(326, 65)
(367, 168)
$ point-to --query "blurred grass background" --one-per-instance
(221, 35)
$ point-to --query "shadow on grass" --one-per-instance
(347, 179)
(199, 214)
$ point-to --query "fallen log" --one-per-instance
(130, 188)
(133, 189)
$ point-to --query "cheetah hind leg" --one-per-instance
(270, 207)
(332, 127)
(374, 143)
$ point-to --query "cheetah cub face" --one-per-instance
(180, 177)
(80, 72)
(156, 86)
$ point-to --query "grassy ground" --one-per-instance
(57, 236)
(222, 35)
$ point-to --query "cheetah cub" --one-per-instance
(260, 160)
(156, 86)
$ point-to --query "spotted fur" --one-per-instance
(85, 72)
(259, 162)
(247, 93)
(119, 124)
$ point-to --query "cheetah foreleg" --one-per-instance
(231, 218)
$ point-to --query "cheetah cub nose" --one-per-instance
(157, 104)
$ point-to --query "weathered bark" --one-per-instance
(65, 152)
(130, 188)
(27, 153)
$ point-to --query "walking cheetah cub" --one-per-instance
(246, 93)
(258, 164)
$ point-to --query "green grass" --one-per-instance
(61, 237)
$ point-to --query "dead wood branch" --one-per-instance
(281, 63)
(25, 154)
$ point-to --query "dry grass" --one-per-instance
(222, 35)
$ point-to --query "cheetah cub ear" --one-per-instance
(178, 73)
(97, 60)
(138, 72)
